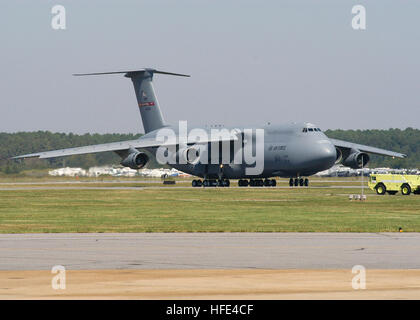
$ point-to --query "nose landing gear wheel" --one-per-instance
(299, 182)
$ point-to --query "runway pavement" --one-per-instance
(210, 251)
(87, 187)
(186, 184)
(78, 182)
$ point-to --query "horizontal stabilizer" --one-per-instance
(132, 72)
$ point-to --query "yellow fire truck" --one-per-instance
(392, 183)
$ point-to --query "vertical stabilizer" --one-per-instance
(147, 102)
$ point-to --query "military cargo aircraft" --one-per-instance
(294, 150)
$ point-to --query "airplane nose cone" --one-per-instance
(327, 154)
(315, 156)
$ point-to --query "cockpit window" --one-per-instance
(311, 130)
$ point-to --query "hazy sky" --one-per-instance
(250, 61)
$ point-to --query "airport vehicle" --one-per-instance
(392, 183)
(294, 150)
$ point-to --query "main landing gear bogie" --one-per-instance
(241, 183)
(211, 183)
(299, 182)
(257, 183)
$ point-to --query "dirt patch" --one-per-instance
(210, 284)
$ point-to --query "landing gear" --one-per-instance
(211, 183)
(243, 183)
(223, 183)
(299, 182)
(270, 183)
(197, 183)
(257, 183)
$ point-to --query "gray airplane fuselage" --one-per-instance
(288, 152)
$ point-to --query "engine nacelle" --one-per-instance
(356, 160)
(190, 155)
(136, 160)
(339, 156)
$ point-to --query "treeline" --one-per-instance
(404, 141)
(11, 144)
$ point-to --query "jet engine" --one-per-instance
(135, 160)
(339, 155)
(356, 160)
(190, 155)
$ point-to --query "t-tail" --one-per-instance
(147, 101)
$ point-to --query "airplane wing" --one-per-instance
(349, 145)
(120, 146)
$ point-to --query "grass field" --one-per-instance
(204, 210)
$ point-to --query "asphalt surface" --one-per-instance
(210, 251)
(87, 187)
(142, 181)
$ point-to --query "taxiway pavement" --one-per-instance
(210, 251)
